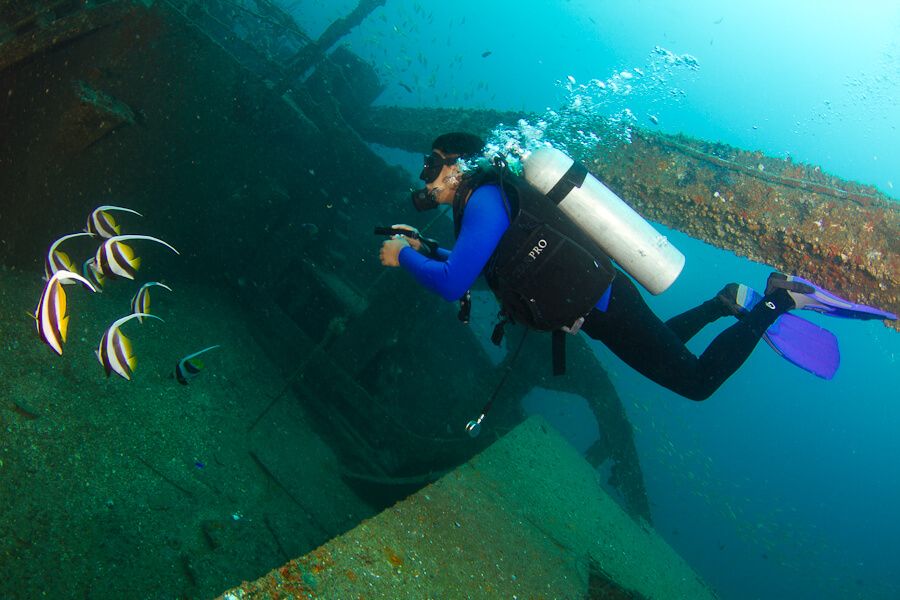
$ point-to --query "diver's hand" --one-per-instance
(416, 244)
(390, 251)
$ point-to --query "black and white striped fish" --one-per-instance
(116, 259)
(114, 352)
(57, 260)
(90, 272)
(140, 303)
(190, 366)
(101, 223)
(50, 316)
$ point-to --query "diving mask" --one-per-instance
(433, 164)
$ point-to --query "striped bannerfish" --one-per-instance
(140, 303)
(50, 315)
(114, 352)
(116, 259)
(57, 260)
(101, 223)
(190, 366)
(90, 272)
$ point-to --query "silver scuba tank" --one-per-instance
(623, 234)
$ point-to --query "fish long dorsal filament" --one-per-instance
(119, 322)
(115, 257)
(186, 369)
(53, 266)
(99, 224)
(123, 238)
(198, 353)
(140, 303)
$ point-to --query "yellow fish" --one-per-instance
(101, 223)
(90, 272)
(50, 316)
(140, 303)
(116, 259)
(115, 353)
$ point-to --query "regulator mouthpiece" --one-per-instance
(423, 200)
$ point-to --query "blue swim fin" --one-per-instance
(800, 342)
(809, 296)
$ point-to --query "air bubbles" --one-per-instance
(598, 113)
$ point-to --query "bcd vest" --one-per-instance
(545, 272)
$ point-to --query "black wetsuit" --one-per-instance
(656, 349)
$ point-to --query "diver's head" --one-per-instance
(440, 169)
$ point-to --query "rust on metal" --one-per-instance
(792, 216)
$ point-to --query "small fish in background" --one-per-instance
(90, 272)
(57, 260)
(309, 229)
(140, 303)
(486, 54)
(101, 223)
(653, 119)
(50, 316)
(116, 259)
(115, 353)
(405, 87)
(190, 366)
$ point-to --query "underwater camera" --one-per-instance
(430, 244)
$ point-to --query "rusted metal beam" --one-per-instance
(792, 216)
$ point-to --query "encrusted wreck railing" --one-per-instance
(791, 216)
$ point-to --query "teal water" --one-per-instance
(781, 485)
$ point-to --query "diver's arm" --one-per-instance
(484, 223)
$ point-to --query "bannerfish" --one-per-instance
(190, 366)
(57, 260)
(101, 223)
(50, 316)
(90, 272)
(114, 352)
(116, 259)
(140, 303)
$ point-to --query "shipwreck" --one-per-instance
(233, 128)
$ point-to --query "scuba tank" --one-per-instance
(622, 233)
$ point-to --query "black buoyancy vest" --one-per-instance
(545, 271)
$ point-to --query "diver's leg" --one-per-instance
(726, 303)
(636, 335)
(689, 323)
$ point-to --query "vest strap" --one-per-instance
(559, 351)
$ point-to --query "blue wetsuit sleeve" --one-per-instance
(484, 223)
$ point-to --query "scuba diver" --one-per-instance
(505, 231)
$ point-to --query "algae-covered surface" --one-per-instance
(524, 519)
(147, 488)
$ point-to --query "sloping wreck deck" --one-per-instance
(522, 519)
(238, 146)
